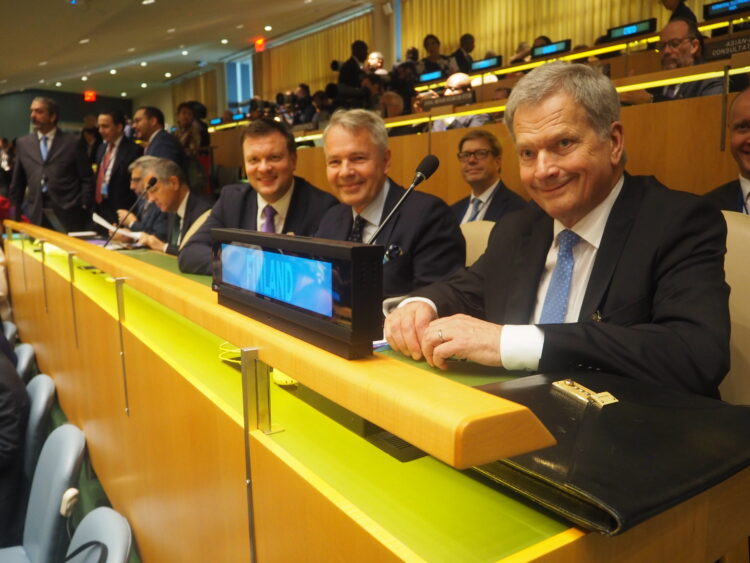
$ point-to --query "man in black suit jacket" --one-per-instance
(462, 54)
(149, 124)
(422, 241)
(113, 160)
(735, 195)
(56, 189)
(14, 414)
(593, 275)
(480, 155)
(275, 201)
(171, 194)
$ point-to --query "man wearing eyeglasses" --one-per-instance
(480, 155)
(680, 45)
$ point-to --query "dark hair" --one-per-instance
(118, 118)
(52, 107)
(359, 45)
(374, 79)
(305, 87)
(428, 37)
(495, 147)
(188, 106)
(199, 110)
(151, 111)
(265, 126)
(547, 40)
(692, 31)
(465, 38)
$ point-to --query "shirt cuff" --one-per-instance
(521, 347)
(166, 246)
(418, 300)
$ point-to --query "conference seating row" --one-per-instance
(51, 466)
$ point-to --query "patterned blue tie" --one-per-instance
(556, 300)
(476, 203)
(43, 147)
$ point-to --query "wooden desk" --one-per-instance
(173, 462)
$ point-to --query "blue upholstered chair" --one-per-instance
(102, 531)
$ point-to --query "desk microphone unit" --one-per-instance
(720, 9)
(631, 30)
(326, 292)
(484, 65)
(551, 49)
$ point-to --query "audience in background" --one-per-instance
(434, 61)
(462, 56)
(148, 122)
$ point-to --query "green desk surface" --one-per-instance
(439, 513)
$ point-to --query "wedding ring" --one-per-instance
(440, 335)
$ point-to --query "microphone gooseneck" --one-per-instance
(425, 169)
(151, 184)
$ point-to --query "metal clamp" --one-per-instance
(119, 282)
(44, 273)
(72, 276)
(578, 391)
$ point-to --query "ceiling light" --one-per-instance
(84, 78)
(144, 85)
(171, 30)
(147, 2)
(308, 1)
(123, 94)
(268, 28)
(144, 63)
(41, 81)
(113, 71)
(84, 41)
(224, 41)
(184, 53)
(167, 75)
(240, 26)
(58, 84)
(43, 63)
(131, 49)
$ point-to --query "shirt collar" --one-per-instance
(49, 134)
(745, 187)
(117, 142)
(591, 227)
(281, 206)
(487, 194)
(373, 212)
(154, 134)
(183, 207)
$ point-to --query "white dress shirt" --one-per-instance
(745, 185)
(373, 213)
(281, 207)
(485, 197)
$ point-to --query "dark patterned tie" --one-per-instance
(355, 235)
(269, 226)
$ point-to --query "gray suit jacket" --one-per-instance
(67, 171)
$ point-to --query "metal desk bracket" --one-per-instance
(256, 407)
(44, 273)
(24, 237)
(119, 282)
(72, 276)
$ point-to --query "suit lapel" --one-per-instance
(527, 268)
(297, 208)
(251, 207)
(391, 199)
(54, 148)
(616, 233)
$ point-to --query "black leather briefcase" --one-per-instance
(625, 450)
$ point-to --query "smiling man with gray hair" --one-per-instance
(603, 271)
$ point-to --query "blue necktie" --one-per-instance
(556, 300)
(476, 203)
(269, 225)
(44, 147)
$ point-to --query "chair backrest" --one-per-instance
(44, 534)
(736, 386)
(11, 332)
(41, 391)
(476, 233)
(101, 527)
(25, 365)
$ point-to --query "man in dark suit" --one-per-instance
(351, 71)
(480, 155)
(462, 55)
(149, 125)
(52, 180)
(171, 194)
(14, 414)
(422, 241)
(113, 159)
(735, 195)
(593, 275)
(275, 201)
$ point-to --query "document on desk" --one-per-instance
(102, 222)
(625, 451)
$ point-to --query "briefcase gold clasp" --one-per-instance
(578, 391)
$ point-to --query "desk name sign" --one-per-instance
(328, 293)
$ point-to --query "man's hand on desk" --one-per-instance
(151, 241)
(414, 330)
(122, 236)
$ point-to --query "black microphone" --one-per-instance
(151, 184)
(425, 169)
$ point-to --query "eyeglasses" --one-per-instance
(672, 43)
(479, 154)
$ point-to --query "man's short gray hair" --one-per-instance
(588, 88)
(353, 120)
(162, 168)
